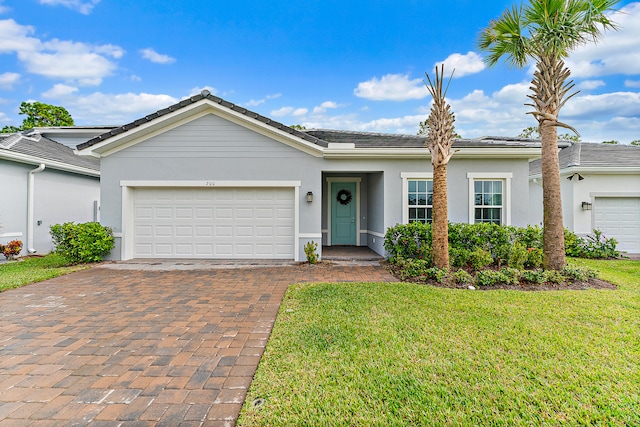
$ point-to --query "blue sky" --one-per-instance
(353, 65)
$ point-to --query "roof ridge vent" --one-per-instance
(205, 93)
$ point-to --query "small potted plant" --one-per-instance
(12, 249)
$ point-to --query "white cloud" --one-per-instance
(115, 109)
(256, 102)
(59, 91)
(156, 57)
(391, 87)
(322, 108)
(8, 80)
(84, 7)
(3, 8)
(590, 84)
(471, 63)
(58, 59)
(281, 112)
(632, 83)
(618, 52)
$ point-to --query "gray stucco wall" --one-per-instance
(58, 197)
(212, 148)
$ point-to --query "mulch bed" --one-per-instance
(522, 286)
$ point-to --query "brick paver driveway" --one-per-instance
(129, 347)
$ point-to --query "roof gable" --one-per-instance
(191, 109)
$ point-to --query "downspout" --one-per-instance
(30, 203)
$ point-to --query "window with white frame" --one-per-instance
(417, 197)
(489, 198)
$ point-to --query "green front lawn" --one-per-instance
(398, 354)
(14, 274)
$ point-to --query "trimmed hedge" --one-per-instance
(86, 242)
(482, 245)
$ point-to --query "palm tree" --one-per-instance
(440, 138)
(546, 31)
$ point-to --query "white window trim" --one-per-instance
(406, 176)
(506, 196)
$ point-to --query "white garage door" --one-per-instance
(619, 217)
(214, 223)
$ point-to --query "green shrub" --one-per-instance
(410, 268)
(597, 245)
(579, 274)
(572, 244)
(86, 242)
(554, 276)
(462, 276)
(411, 240)
(459, 257)
(534, 276)
(518, 256)
(507, 276)
(310, 251)
(480, 258)
(435, 273)
(535, 258)
(489, 278)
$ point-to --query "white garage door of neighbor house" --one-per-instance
(619, 217)
(214, 223)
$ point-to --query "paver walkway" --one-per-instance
(118, 347)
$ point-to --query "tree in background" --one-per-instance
(41, 115)
(612, 142)
(546, 31)
(636, 142)
(440, 138)
(532, 133)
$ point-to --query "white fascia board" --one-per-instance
(610, 170)
(187, 114)
(50, 164)
(423, 153)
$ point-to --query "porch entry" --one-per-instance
(344, 213)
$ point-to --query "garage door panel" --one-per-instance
(619, 218)
(214, 223)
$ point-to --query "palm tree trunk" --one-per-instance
(553, 233)
(440, 214)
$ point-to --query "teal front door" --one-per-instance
(343, 213)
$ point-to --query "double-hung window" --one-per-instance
(489, 193)
(418, 197)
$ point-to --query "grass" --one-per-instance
(34, 269)
(398, 354)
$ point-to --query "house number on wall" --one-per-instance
(209, 183)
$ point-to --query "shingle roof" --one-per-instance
(320, 137)
(205, 94)
(386, 140)
(594, 155)
(45, 149)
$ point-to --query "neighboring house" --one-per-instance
(44, 183)
(205, 178)
(600, 189)
(70, 136)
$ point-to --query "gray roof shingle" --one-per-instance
(320, 137)
(45, 149)
(593, 155)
